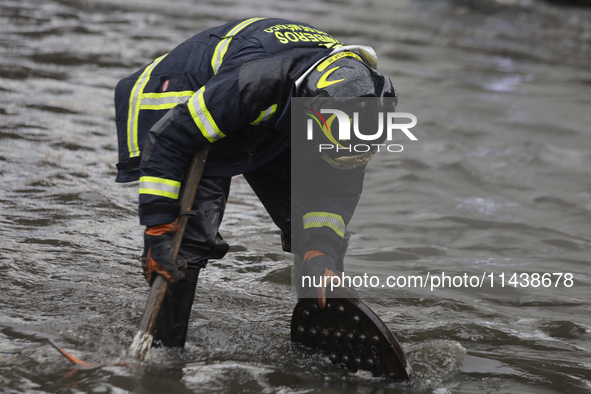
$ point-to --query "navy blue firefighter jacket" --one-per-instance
(229, 87)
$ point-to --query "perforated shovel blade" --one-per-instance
(351, 334)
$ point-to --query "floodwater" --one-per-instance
(497, 183)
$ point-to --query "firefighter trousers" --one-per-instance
(202, 240)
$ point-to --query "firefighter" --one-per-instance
(230, 87)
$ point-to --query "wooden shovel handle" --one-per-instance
(142, 342)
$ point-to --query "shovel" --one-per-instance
(142, 342)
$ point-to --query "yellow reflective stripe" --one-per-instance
(134, 108)
(160, 187)
(336, 57)
(203, 118)
(166, 100)
(325, 219)
(265, 115)
(222, 47)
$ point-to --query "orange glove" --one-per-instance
(157, 256)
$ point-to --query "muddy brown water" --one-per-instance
(498, 182)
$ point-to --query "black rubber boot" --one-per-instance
(173, 321)
(201, 242)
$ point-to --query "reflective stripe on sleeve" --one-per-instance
(222, 47)
(167, 100)
(265, 115)
(134, 108)
(160, 187)
(203, 118)
(325, 219)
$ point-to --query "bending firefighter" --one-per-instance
(231, 88)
